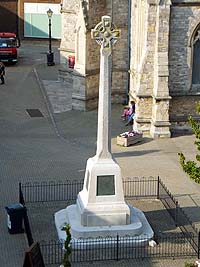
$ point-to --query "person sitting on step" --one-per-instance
(131, 113)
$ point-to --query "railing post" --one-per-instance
(20, 188)
(27, 228)
(21, 197)
(117, 247)
(198, 256)
(158, 188)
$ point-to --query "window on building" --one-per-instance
(196, 58)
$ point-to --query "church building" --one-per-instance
(156, 62)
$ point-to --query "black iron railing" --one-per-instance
(184, 244)
(49, 191)
(116, 248)
(28, 228)
(68, 190)
(179, 216)
(140, 187)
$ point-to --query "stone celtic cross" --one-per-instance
(105, 33)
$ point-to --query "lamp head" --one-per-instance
(49, 13)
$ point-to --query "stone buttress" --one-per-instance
(149, 66)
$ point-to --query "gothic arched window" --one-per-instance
(196, 58)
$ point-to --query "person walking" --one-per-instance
(2, 72)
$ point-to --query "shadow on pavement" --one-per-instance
(134, 153)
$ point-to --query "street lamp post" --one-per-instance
(50, 56)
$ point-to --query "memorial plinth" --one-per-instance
(101, 202)
(100, 209)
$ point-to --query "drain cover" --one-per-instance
(34, 112)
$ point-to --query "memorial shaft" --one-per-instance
(104, 108)
(106, 35)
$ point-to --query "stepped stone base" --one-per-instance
(138, 227)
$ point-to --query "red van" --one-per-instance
(8, 47)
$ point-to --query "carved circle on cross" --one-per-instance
(106, 33)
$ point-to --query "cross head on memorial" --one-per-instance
(105, 33)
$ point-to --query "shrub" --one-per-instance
(190, 167)
(68, 250)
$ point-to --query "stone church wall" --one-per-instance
(120, 57)
(149, 66)
(182, 23)
(69, 12)
(184, 20)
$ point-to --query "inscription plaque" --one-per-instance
(105, 185)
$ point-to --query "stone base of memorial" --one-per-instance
(126, 140)
(139, 230)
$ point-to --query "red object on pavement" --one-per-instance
(71, 61)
